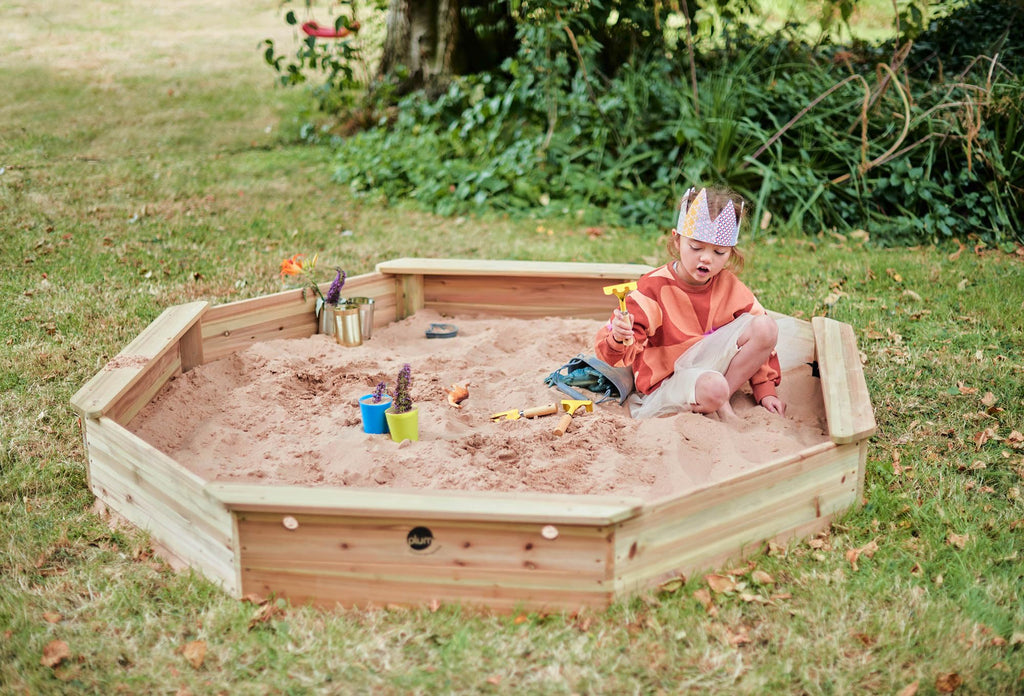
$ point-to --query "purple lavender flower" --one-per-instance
(403, 397)
(333, 296)
(378, 392)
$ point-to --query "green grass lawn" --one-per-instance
(146, 160)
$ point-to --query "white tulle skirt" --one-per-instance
(677, 393)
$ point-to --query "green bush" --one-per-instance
(823, 138)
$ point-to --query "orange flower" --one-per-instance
(294, 265)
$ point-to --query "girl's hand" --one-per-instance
(774, 404)
(622, 327)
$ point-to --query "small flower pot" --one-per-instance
(326, 323)
(404, 426)
(374, 421)
(347, 331)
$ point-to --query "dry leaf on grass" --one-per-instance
(868, 550)
(195, 652)
(909, 690)
(958, 541)
(704, 597)
(720, 583)
(55, 652)
(264, 613)
(948, 683)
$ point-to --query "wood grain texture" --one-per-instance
(133, 363)
(157, 494)
(511, 268)
(847, 402)
(355, 560)
(537, 508)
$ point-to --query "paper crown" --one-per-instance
(695, 222)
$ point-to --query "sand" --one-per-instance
(286, 412)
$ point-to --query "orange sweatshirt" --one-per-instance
(669, 316)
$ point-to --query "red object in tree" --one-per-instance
(314, 29)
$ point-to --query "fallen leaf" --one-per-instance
(495, 680)
(909, 690)
(740, 637)
(912, 295)
(52, 617)
(865, 639)
(953, 257)
(984, 436)
(762, 578)
(948, 683)
(743, 570)
(867, 550)
(704, 597)
(55, 652)
(264, 613)
(673, 585)
(521, 619)
(988, 399)
(195, 652)
(958, 540)
(720, 583)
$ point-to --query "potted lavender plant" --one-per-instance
(403, 418)
(372, 408)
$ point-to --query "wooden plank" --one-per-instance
(190, 348)
(408, 295)
(517, 296)
(539, 508)
(847, 402)
(678, 537)
(128, 404)
(530, 269)
(131, 364)
(235, 326)
(155, 493)
(328, 590)
(457, 550)
(356, 560)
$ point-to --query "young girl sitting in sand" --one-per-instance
(692, 332)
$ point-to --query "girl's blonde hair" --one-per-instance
(718, 198)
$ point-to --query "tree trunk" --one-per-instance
(428, 41)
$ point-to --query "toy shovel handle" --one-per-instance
(546, 410)
(624, 313)
(563, 424)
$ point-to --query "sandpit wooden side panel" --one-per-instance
(847, 403)
(155, 493)
(524, 289)
(128, 382)
(732, 519)
(232, 327)
(523, 298)
(356, 561)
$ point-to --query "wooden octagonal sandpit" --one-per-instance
(357, 546)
